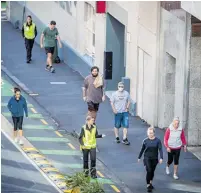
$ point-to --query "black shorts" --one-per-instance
(93, 106)
(17, 121)
(174, 156)
(49, 50)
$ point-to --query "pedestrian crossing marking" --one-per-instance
(29, 149)
(47, 139)
(38, 127)
(60, 152)
(71, 146)
(59, 134)
(43, 121)
(33, 110)
(115, 188)
(100, 174)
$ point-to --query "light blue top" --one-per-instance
(120, 100)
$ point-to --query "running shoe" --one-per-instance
(149, 189)
(21, 142)
(152, 187)
(16, 140)
(117, 140)
(167, 170)
(47, 68)
(52, 70)
(175, 177)
(126, 142)
(94, 176)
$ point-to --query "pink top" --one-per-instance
(174, 138)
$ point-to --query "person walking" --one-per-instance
(150, 147)
(29, 33)
(17, 105)
(93, 91)
(174, 139)
(120, 102)
(87, 140)
(49, 36)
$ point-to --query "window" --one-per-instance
(89, 18)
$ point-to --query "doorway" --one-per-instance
(115, 43)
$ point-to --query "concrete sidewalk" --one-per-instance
(63, 102)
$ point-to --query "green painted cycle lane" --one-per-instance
(43, 137)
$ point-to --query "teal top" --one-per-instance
(50, 37)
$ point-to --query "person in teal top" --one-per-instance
(48, 41)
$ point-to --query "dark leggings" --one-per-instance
(173, 155)
(92, 153)
(17, 121)
(150, 165)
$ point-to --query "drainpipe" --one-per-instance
(187, 72)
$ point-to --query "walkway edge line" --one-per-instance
(35, 166)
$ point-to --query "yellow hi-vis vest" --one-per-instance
(89, 138)
(29, 31)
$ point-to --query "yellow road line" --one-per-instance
(100, 174)
(115, 188)
(50, 169)
(43, 121)
(71, 146)
(33, 110)
(59, 134)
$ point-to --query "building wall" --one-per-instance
(172, 68)
(141, 33)
(194, 123)
(192, 7)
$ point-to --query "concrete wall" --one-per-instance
(71, 52)
(172, 68)
(194, 118)
(192, 7)
(141, 29)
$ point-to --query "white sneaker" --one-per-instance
(21, 142)
(16, 140)
(167, 170)
(175, 177)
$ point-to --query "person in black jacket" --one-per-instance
(29, 33)
(17, 105)
(87, 140)
(150, 147)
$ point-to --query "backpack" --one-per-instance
(57, 60)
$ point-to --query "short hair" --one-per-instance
(176, 119)
(95, 67)
(29, 16)
(88, 118)
(53, 23)
(151, 129)
(120, 84)
(17, 90)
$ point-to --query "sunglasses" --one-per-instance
(121, 86)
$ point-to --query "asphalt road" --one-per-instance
(64, 103)
(18, 174)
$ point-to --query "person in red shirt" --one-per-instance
(174, 140)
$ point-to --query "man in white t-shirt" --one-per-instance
(120, 103)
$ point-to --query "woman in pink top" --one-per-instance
(174, 139)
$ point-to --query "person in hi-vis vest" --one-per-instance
(29, 33)
(87, 140)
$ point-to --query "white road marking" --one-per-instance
(57, 82)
